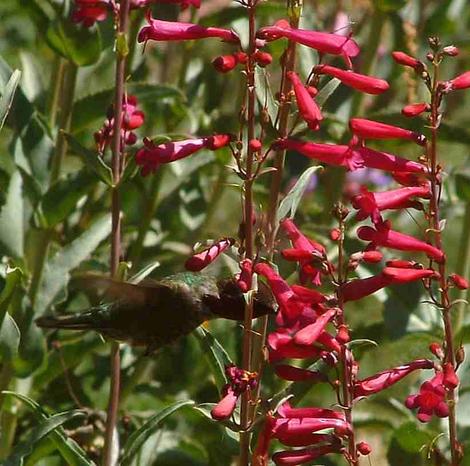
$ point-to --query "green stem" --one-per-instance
(8, 419)
(58, 74)
(120, 77)
(463, 267)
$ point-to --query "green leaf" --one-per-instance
(412, 439)
(327, 91)
(80, 45)
(290, 203)
(91, 160)
(9, 338)
(389, 6)
(62, 197)
(72, 453)
(144, 273)
(12, 279)
(26, 447)
(11, 218)
(138, 438)
(57, 269)
(462, 186)
(7, 96)
(215, 353)
(265, 95)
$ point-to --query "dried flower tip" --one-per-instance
(460, 355)
(363, 448)
(246, 273)
(262, 58)
(224, 63)
(437, 350)
(450, 51)
(460, 282)
(413, 110)
(406, 60)
(434, 42)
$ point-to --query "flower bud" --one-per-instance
(450, 380)
(241, 57)
(224, 63)
(460, 355)
(335, 234)
(460, 282)
(343, 334)
(437, 350)
(413, 110)
(313, 91)
(262, 58)
(255, 145)
(363, 448)
(451, 51)
(406, 60)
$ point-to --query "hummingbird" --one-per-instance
(156, 313)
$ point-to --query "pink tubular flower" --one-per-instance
(171, 30)
(413, 110)
(324, 42)
(378, 382)
(88, 12)
(360, 82)
(246, 272)
(310, 333)
(384, 236)
(239, 381)
(430, 399)
(297, 374)
(371, 204)
(225, 407)
(369, 129)
(202, 259)
(307, 106)
(352, 158)
(305, 455)
(460, 82)
(152, 156)
(304, 251)
(133, 118)
(406, 60)
(308, 295)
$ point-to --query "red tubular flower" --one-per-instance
(225, 407)
(378, 382)
(291, 427)
(352, 158)
(306, 439)
(406, 60)
(403, 275)
(151, 156)
(171, 30)
(297, 374)
(413, 110)
(246, 273)
(371, 204)
(305, 455)
(410, 179)
(224, 63)
(361, 287)
(430, 399)
(460, 82)
(360, 82)
(450, 380)
(384, 236)
(290, 307)
(132, 117)
(363, 448)
(262, 58)
(202, 259)
(287, 411)
(308, 295)
(310, 333)
(88, 12)
(369, 129)
(324, 42)
(307, 106)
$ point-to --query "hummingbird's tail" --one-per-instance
(83, 321)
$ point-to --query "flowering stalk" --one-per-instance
(250, 65)
(117, 147)
(436, 238)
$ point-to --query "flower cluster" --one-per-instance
(132, 118)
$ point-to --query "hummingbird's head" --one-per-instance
(231, 302)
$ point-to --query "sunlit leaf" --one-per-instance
(7, 95)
